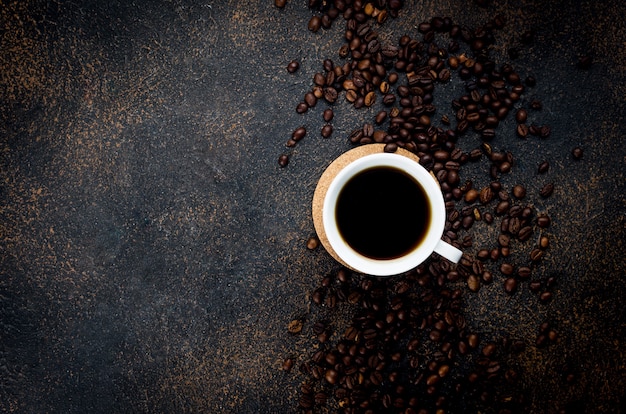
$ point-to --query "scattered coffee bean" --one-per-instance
(547, 190)
(327, 130)
(355, 367)
(283, 160)
(293, 66)
(577, 153)
(287, 365)
(543, 221)
(312, 243)
(543, 167)
(328, 115)
(315, 23)
(519, 192)
(295, 326)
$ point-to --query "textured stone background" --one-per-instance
(152, 252)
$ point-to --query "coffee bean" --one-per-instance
(295, 326)
(312, 243)
(504, 240)
(543, 167)
(486, 195)
(536, 255)
(302, 107)
(315, 23)
(510, 285)
(391, 147)
(331, 376)
(543, 221)
(545, 297)
(502, 207)
(287, 365)
(519, 192)
(521, 116)
(283, 160)
(471, 196)
(524, 272)
(507, 269)
(547, 190)
(577, 153)
(522, 130)
(298, 134)
(330, 94)
(473, 282)
(293, 66)
(328, 115)
(327, 130)
(473, 340)
(488, 218)
(280, 3)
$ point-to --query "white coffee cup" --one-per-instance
(430, 242)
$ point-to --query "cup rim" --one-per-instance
(386, 267)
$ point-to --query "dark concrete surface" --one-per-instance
(152, 252)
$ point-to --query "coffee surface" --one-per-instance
(382, 213)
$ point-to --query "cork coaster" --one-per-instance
(327, 177)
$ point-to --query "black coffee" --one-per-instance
(382, 213)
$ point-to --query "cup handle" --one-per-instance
(448, 251)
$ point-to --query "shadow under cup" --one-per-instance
(384, 214)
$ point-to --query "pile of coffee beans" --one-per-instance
(408, 347)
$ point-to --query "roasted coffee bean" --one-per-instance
(577, 153)
(504, 240)
(502, 207)
(545, 297)
(521, 116)
(547, 190)
(486, 195)
(283, 160)
(510, 285)
(524, 272)
(330, 94)
(315, 23)
(310, 99)
(543, 221)
(543, 167)
(298, 134)
(536, 254)
(327, 130)
(507, 269)
(391, 147)
(293, 66)
(525, 233)
(519, 192)
(312, 243)
(473, 283)
(471, 196)
(280, 3)
(302, 107)
(328, 115)
(287, 365)
(522, 130)
(331, 376)
(380, 117)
